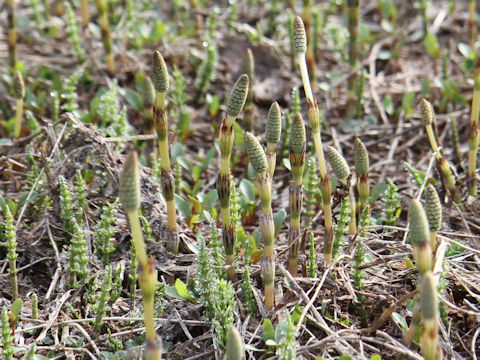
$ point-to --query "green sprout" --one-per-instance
(235, 104)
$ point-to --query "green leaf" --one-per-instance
(278, 220)
(17, 306)
(388, 104)
(286, 164)
(431, 45)
(176, 151)
(268, 333)
(376, 357)
(134, 100)
(345, 357)
(399, 319)
(179, 291)
(185, 207)
(209, 199)
(246, 189)
(377, 190)
(296, 313)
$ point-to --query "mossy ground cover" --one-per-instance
(80, 117)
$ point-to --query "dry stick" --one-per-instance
(161, 84)
(314, 117)
(102, 9)
(12, 34)
(387, 313)
(309, 302)
(235, 103)
(474, 134)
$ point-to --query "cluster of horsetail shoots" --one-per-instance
(342, 172)
(130, 198)
(474, 135)
(420, 237)
(102, 9)
(362, 166)
(273, 131)
(430, 347)
(235, 104)
(300, 38)
(258, 159)
(161, 84)
(12, 34)
(249, 69)
(19, 92)
(433, 210)
(428, 117)
(297, 161)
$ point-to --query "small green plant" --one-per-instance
(235, 104)
(206, 72)
(311, 191)
(249, 299)
(340, 228)
(77, 257)
(178, 100)
(11, 239)
(7, 338)
(73, 34)
(113, 119)
(358, 260)
(418, 176)
(19, 92)
(392, 203)
(104, 232)
(69, 91)
(224, 304)
(67, 206)
(101, 302)
(205, 276)
(286, 337)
